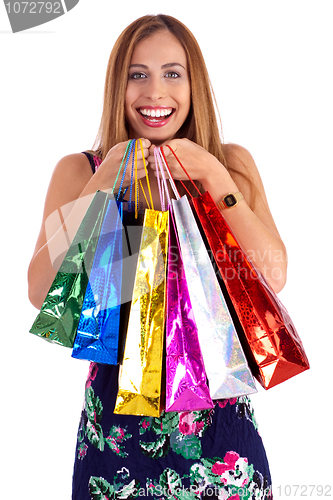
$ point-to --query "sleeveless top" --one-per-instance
(216, 453)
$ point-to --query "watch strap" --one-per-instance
(230, 200)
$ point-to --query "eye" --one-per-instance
(172, 74)
(137, 76)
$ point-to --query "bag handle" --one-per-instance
(134, 173)
(172, 183)
(127, 155)
(159, 181)
(134, 169)
(162, 183)
(131, 150)
(170, 176)
(147, 179)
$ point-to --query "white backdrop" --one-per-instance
(271, 67)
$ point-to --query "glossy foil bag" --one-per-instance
(186, 381)
(61, 310)
(140, 375)
(59, 316)
(271, 342)
(225, 363)
(98, 329)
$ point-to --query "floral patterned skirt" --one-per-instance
(216, 454)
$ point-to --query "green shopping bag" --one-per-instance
(59, 316)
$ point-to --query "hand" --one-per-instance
(198, 163)
(109, 168)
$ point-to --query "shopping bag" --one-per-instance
(186, 381)
(225, 363)
(98, 329)
(97, 335)
(272, 342)
(59, 315)
(140, 375)
(269, 337)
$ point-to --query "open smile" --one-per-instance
(155, 116)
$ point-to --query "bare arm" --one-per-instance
(70, 180)
(254, 229)
(69, 195)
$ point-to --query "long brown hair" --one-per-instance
(201, 124)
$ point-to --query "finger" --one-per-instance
(158, 172)
(166, 150)
(141, 173)
(151, 157)
(139, 152)
(145, 143)
(151, 160)
(139, 159)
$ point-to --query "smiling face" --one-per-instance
(158, 93)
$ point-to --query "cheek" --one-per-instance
(186, 106)
(130, 98)
(186, 99)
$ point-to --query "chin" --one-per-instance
(159, 142)
(156, 136)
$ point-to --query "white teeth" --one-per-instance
(156, 112)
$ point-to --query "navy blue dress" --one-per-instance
(216, 453)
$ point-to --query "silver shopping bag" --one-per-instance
(226, 367)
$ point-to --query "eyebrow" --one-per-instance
(168, 65)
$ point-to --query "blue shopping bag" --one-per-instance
(98, 329)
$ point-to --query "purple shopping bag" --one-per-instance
(186, 381)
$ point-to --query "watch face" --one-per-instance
(230, 200)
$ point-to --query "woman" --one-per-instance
(157, 88)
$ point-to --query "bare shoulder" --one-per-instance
(74, 165)
(239, 158)
(243, 170)
(69, 178)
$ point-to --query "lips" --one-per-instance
(155, 116)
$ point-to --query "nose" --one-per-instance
(155, 89)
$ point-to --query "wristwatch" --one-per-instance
(230, 200)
